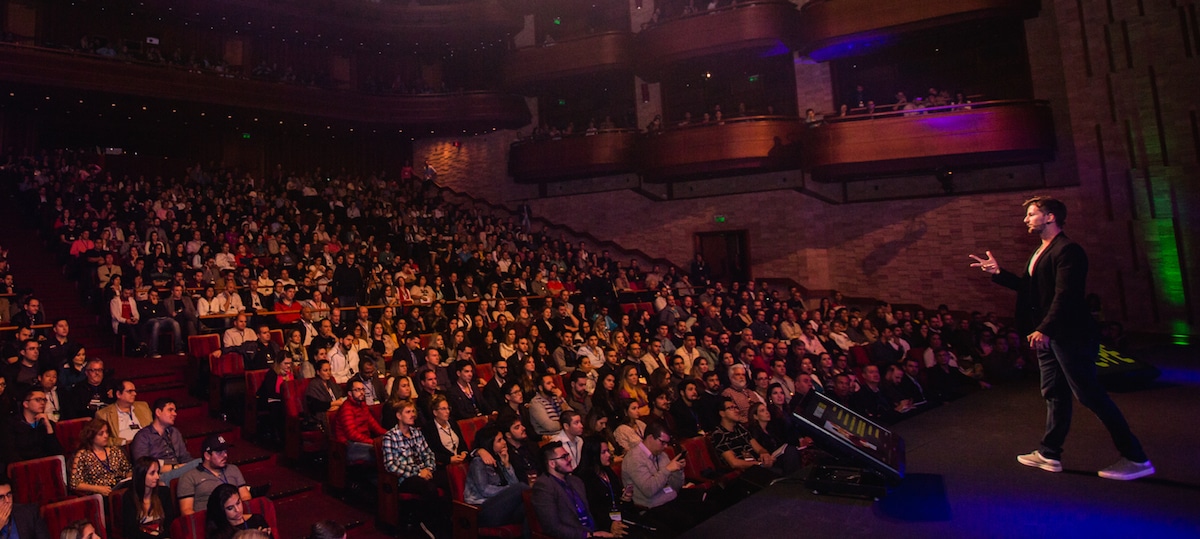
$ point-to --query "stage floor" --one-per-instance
(963, 479)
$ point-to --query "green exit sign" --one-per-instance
(246, 136)
(719, 218)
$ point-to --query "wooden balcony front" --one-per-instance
(751, 144)
(987, 134)
(604, 153)
(57, 69)
(762, 28)
(586, 55)
(835, 28)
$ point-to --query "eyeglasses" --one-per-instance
(560, 457)
(37, 399)
(93, 370)
(7, 496)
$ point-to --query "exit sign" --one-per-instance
(719, 218)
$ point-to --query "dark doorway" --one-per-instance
(727, 254)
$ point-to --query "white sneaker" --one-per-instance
(1127, 470)
(427, 532)
(1036, 460)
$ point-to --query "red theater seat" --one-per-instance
(470, 427)
(465, 517)
(59, 515)
(254, 379)
(68, 431)
(39, 481)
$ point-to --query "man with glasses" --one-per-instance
(19, 520)
(126, 416)
(24, 373)
(214, 470)
(740, 451)
(29, 433)
(354, 426)
(560, 498)
(162, 441)
(657, 481)
(92, 394)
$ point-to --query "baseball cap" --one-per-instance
(214, 442)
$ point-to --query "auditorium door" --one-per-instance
(726, 253)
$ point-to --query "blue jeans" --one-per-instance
(154, 327)
(504, 508)
(1069, 368)
(358, 452)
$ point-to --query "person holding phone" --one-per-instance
(657, 481)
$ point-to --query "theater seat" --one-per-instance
(296, 440)
(483, 371)
(68, 431)
(59, 515)
(254, 379)
(701, 466)
(39, 481)
(859, 357)
(470, 427)
(223, 369)
(464, 516)
(189, 527)
(265, 507)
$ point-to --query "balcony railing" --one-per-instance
(61, 69)
(762, 28)
(835, 28)
(587, 55)
(974, 135)
(747, 144)
(606, 152)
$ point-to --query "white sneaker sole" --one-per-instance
(1041, 464)
(1127, 477)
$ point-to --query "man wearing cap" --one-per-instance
(214, 470)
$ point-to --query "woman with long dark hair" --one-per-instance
(147, 510)
(495, 488)
(605, 492)
(226, 516)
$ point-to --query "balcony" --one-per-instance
(582, 56)
(741, 145)
(429, 20)
(58, 69)
(987, 134)
(835, 28)
(605, 153)
(761, 28)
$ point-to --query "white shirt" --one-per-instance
(343, 364)
(573, 444)
(128, 424)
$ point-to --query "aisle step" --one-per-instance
(285, 483)
(296, 514)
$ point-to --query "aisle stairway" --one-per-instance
(299, 498)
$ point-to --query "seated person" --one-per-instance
(48, 381)
(24, 373)
(371, 377)
(740, 451)
(871, 401)
(262, 352)
(323, 395)
(162, 441)
(546, 406)
(148, 510)
(355, 426)
(90, 395)
(126, 416)
(495, 489)
(19, 519)
(80, 529)
(444, 435)
(560, 500)
(464, 397)
(685, 409)
(608, 498)
(156, 319)
(407, 455)
(571, 434)
(226, 515)
(629, 433)
(98, 466)
(29, 433)
(657, 481)
(198, 483)
(125, 319)
(270, 397)
(238, 335)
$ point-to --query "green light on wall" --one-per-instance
(558, 21)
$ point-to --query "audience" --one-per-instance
(127, 415)
(162, 441)
(559, 498)
(29, 432)
(18, 519)
(198, 483)
(495, 488)
(226, 515)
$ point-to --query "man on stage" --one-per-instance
(1052, 312)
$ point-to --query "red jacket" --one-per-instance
(354, 423)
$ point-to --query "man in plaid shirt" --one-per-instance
(407, 455)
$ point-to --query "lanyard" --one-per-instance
(580, 508)
(608, 483)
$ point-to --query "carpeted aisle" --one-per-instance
(963, 479)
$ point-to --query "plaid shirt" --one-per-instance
(406, 456)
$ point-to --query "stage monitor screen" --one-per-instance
(841, 431)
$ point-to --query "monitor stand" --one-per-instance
(848, 481)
